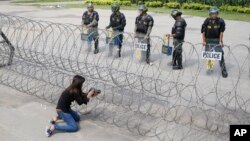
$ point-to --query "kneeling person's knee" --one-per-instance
(74, 128)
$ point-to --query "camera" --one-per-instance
(96, 91)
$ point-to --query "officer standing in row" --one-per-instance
(212, 35)
(178, 33)
(90, 20)
(117, 23)
(143, 27)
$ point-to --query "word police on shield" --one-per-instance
(211, 55)
(141, 46)
(239, 132)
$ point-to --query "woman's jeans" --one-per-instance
(71, 118)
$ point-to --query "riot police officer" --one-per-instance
(212, 34)
(178, 33)
(117, 23)
(143, 27)
(90, 20)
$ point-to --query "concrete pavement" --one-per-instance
(24, 117)
(237, 32)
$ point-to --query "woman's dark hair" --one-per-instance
(76, 85)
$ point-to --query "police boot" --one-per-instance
(224, 71)
(174, 59)
(179, 61)
(148, 60)
(96, 51)
(223, 68)
(178, 67)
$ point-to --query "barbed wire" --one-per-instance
(40, 58)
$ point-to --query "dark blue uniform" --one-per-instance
(212, 30)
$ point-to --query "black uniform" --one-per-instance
(143, 26)
(92, 20)
(118, 23)
(212, 30)
(179, 31)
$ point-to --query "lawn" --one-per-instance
(42, 1)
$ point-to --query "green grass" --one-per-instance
(41, 1)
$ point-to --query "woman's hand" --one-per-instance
(91, 94)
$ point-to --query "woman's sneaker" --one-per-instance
(48, 132)
(52, 121)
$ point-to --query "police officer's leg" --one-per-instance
(179, 56)
(148, 52)
(222, 62)
(120, 44)
(96, 40)
(174, 58)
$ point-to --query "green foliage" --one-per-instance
(173, 5)
(235, 9)
(100, 2)
(125, 3)
(195, 6)
(109, 2)
(177, 4)
(154, 4)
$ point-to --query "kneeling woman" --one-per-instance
(64, 111)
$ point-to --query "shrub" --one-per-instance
(101, 2)
(244, 10)
(174, 5)
(195, 6)
(125, 3)
(109, 2)
(229, 8)
(154, 4)
(235, 9)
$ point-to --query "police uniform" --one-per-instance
(118, 23)
(92, 19)
(179, 31)
(143, 27)
(212, 30)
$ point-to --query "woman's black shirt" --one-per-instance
(67, 98)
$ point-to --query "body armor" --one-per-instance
(88, 18)
(118, 21)
(179, 29)
(142, 23)
(213, 29)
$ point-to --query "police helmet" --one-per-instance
(175, 13)
(115, 7)
(90, 5)
(214, 10)
(142, 8)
